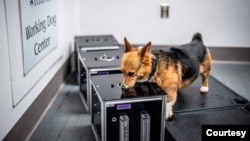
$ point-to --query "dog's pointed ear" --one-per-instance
(127, 45)
(145, 49)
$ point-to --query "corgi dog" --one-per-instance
(172, 69)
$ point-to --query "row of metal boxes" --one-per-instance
(116, 114)
(139, 114)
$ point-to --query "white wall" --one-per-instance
(222, 23)
(11, 59)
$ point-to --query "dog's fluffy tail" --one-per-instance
(197, 36)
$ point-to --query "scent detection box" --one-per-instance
(92, 43)
(96, 62)
(95, 54)
(136, 114)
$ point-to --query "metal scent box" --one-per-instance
(136, 114)
(92, 63)
(95, 54)
(91, 43)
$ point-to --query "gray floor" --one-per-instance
(67, 120)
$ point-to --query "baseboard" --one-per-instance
(230, 53)
(28, 121)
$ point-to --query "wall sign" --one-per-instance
(39, 30)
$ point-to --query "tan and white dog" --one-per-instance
(171, 69)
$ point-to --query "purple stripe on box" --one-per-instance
(123, 106)
(102, 72)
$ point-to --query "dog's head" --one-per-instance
(135, 64)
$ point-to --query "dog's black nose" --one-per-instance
(121, 85)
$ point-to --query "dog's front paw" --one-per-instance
(204, 89)
(168, 115)
(169, 111)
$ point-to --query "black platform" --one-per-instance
(219, 96)
(220, 106)
(187, 126)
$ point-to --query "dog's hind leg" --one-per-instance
(205, 68)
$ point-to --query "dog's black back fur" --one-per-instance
(190, 56)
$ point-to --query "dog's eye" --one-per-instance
(131, 74)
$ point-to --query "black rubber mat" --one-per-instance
(187, 126)
(219, 96)
(220, 106)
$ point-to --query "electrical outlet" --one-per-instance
(164, 10)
